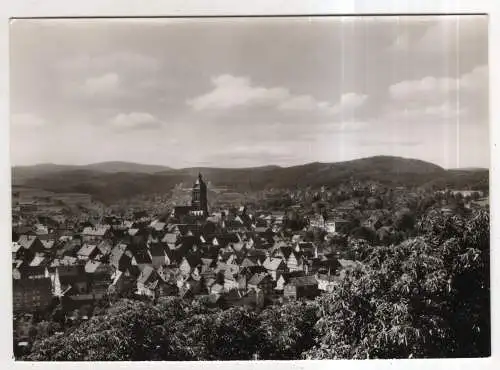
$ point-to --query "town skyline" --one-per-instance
(250, 92)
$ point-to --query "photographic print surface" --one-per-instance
(274, 188)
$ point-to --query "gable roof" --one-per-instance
(248, 262)
(258, 278)
(117, 253)
(26, 241)
(104, 247)
(146, 273)
(272, 263)
(38, 261)
(86, 250)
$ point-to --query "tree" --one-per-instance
(426, 297)
(287, 330)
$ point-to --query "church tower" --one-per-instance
(199, 196)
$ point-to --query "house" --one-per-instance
(70, 248)
(326, 282)
(96, 234)
(99, 277)
(294, 261)
(141, 258)
(217, 289)
(122, 282)
(31, 294)
(347, 265)
(31, 245)
(338, 226)
(231, 281)
(317, 221)
(158, 226)
(188, 264)
(261, 282)
(36, 268)
(104, 247)
(285, 279)
(275, 267)
(70, 280)
(159, 255)
(138, 235)
(147, 282)
(258, 255)
(301, 287)
(48, 245)
(166, 289)
(194, 284)
(87, 252)
(249, 262)
(119, 259)
(16, 247)
(207, 264)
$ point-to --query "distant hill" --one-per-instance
(113, 181)
(106, 167)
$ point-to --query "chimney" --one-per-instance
(315, 251)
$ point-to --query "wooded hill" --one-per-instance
(112, 181)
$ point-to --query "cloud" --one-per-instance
(349, 102)
(231, 91)
(427, 87)
(107, 85)
(135, 120)
(443, 98)
(28, 120)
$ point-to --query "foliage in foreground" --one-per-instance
(426, 297)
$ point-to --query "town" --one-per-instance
(239, 255)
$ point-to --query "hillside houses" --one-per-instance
(166, 258)
(232, 255)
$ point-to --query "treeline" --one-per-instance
(427, 297)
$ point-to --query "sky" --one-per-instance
(236, 92)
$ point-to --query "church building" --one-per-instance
(199, 201)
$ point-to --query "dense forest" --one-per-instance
(426, 297)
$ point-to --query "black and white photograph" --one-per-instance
(250, 188)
